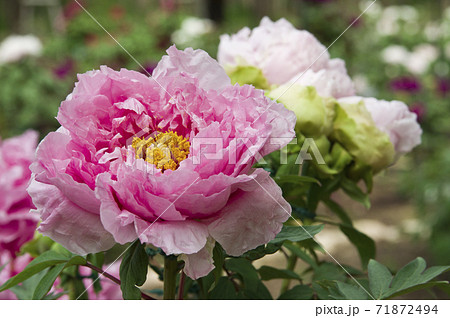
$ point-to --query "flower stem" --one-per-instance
(181, 287)
(292, 261)
(170, 276)
(114, 279)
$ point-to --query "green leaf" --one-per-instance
(299, 292)
(297, 233)
(219, 260)
(246, 271)
(409, 278)
(260, 292)
(262, 251)
(339, 211)
(295, 179)
(25, 290)
(413, 274)
(379, 278)
(297, 251)
(77, 289)
(224, 290)
(419, 287)
(268, 273)
(47, 259)
(328, 271)
(354, 192)
(364, 244)
(133, 271)
(46, 283)
(350, 292)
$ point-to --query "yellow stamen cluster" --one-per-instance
(165, 150)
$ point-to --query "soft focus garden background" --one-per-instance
(397, 50)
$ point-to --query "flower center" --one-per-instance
(165, 150)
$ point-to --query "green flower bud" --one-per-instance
(248, 75)
(314, 113)
(355, 129)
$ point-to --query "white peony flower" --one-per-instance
(395, 54)
(286, 55)
(393, 118)
(192, 28)
(277, 48)
(15, 47)
(332, 81)
(420, 59)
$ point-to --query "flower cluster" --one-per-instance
(362, 134)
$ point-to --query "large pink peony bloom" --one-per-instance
(285, 54)
(17, 225)
(167, 161)
(395, 119)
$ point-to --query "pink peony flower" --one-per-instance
(167, 161)
(277, 48)
(17, 225)
(395, 119)
(286, 55)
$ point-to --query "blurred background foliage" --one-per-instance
(396, 50)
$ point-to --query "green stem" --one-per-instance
(181, 286)
(292, 261)
(170, 276)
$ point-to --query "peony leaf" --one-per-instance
(380, 278)
(40, 263)
(297, 251)
(261, 251)
(409, 278)
(219, 259)
(299, 292)
(297, 233)
(354, 192)
(268, 273)
(46, 283)
(364, 244)
(295, 179)
(245, 270)
(25, 290)
(412, 275)
(224, 290)
(339, 211)
(133, 271)
(349, 292)
(260, 292)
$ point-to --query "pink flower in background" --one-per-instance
(110, 290)
(286, 55)
(277, 48)
(420, 110)
(17, 224)
(133, 160)
(395, 119)
(10, 267)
